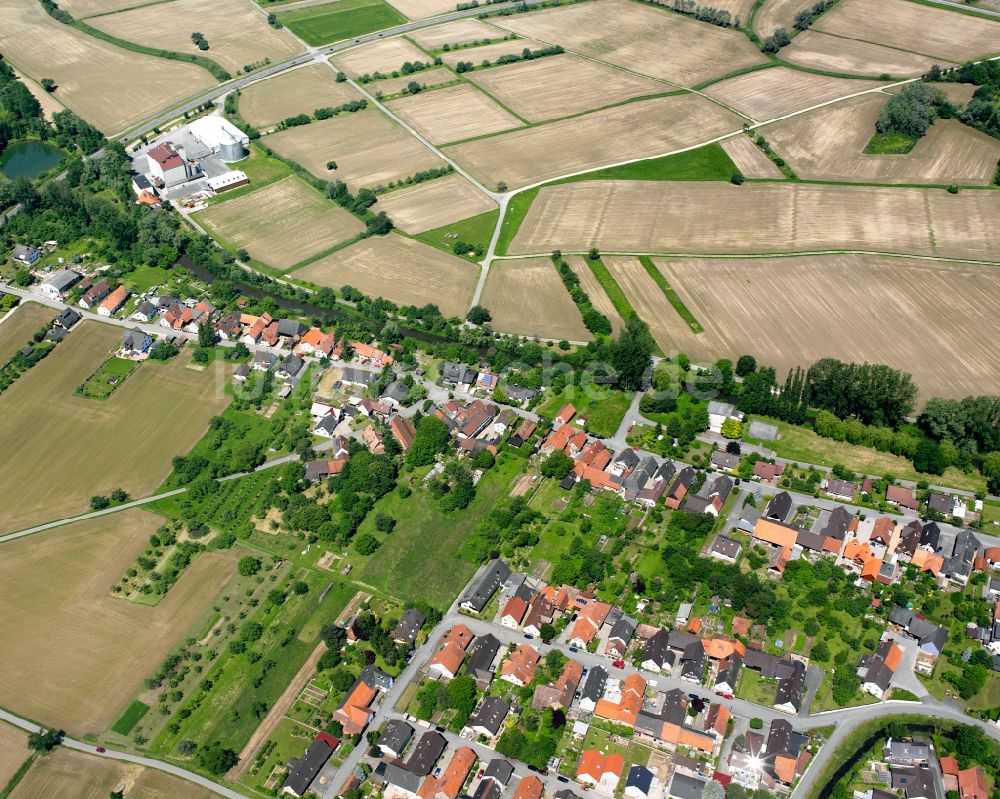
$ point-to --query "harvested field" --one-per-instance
(749, 158)
(18, 328)
(771, 93)
(433, 204)
(462, 31)
(647, 298)
(300, 91)
(110, 87)
(402, 270)
(427, 77)
(283, 223)
(68, 774)
(935, 320)
(526, 296)
(636, 130)
(381, 56)
(13, 751)
(128, 439)
(85, 8)
(558, 86)
(957, 93)
(97, 649)
(598, 296)
(740, 9)
(50, 105)
(829, 144)
(692, 216)
(490, 52)
(453, 113)
(776, 14)
(819, 51)
(652, 41)
(370, 149)
(422, 9)
(933, 31)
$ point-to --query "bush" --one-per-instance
(756, 724)
(248, 566)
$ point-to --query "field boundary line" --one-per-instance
(760, 256)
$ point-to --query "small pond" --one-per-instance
(29, 159)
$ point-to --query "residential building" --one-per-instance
(406, 630)
(489, 719)
(520, 666)
(97, 292)
(485, 585)
(394, 738)
(111, 304)
(303, 771)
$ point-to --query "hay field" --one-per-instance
(126, 441)
(935, 320)
(598, 296)
(97, 649)
(933, 31)
(652, 41)
(771, 93)
(370, 149)
(526, 296)
(635, 130)
(704, 217)
(85, 8)
(490, 52)
(776, 14)
(957, 93)
(236, 31)
(50, 105)
(453, 113)
(300, 91)
(433, 204)
(283, 223)
(558, 86)
(750, 159)
(670, 331)
(740, 9)
(462, 31)
(74, 775)
(819, 51)
(110, 87)
(18, 328)
(422, 9)
(829, 144)
(380, 56)
(13, 751)
(405, 271)
(427, 77)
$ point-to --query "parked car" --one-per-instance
(101, 750)
(573, 649)
(727, 696)
(561, 778)
(618, 664)
(529, 637)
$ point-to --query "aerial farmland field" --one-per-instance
(558, 86)
(18, 328)
(434, 203)
(935, 320)
(237, 33)
(343, 19)
(369, 148)
(426, 78)
(299, 91)
(97, 648)
(463, 31)
(595, 291)
(774, 14)
(750, 159)
(527, 296)
(160, 411)
(13, 751)
(403, 270)
(828, 144)
(815, 50)
(453, 113)
(490, 52)
(383, 56)
(283, 223)
(635, 130)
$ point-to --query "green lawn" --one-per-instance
(261, 168)
(611, 288)
(343, 19)
(891, 143)
(133, 713)
(801, 444)
(755, 688)
(603, 409)
(517, 208)
(474, 230)
(421, 559)
(106, 380)
(706, 163)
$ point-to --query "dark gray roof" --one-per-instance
(915, 782)
(693, 660)
(359, 377)
(290, 327)
(942, 503)
(485, 585)
(409, 625)
(639, 777)
(684, 787)
(499, 770)
(374, 677)
(146, 308)
(628, 456)
(623, 630)
(779, 507)
(679, 639)
(458, 373)
(637, 478)
(791, 676)
(963, 554)
(879, 674)
(657, 649)
(779, 738)
(810, 540)
(763, 662)
(400, 776)
(725, 460)
(837, 523)
(728, 547)
(487, 789)
(729, 670)
(484, 650)
(67, 318)
(304, 770)
(900, 615)
(593, 688)
(491, 714)
(930, 535)
(395, 736)
(291, 364)
(397, 390)
(426, 753)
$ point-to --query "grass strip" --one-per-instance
(891, 143)
(705, 163)
(132, 715)
(517, 209)
(672, 296)
(344, 19)
(611, 287)
(16, 778)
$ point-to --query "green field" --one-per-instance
(343, 19)
(672, 296)
(706, 163)
(891, 143)
(133, 713)
(603, 409)
(108, 378)
(517, 208)
(420, 559)
(474, 230)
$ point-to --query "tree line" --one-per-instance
(593, 320)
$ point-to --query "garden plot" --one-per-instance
(750, 159)
(652, 41)
(110, 87)
(433, 204)
(490, 52)
(598, 296)
(935, 320)
(704, 217)
(370, 150)
(642, 129)
(527, 297)
(237, 33)
(772, 93)
(300, 91)
(815, 50)
(829, 144)
(453, 113)
(283, 223)
(460, 32)
(402, 270)
(557, 86)
(928, 30)
(383, 56)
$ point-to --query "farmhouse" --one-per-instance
(26, 255)
(111, 304)
(59, 284)
(94, 294)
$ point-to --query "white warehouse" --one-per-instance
(220, 136)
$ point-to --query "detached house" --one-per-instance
(113, 302)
